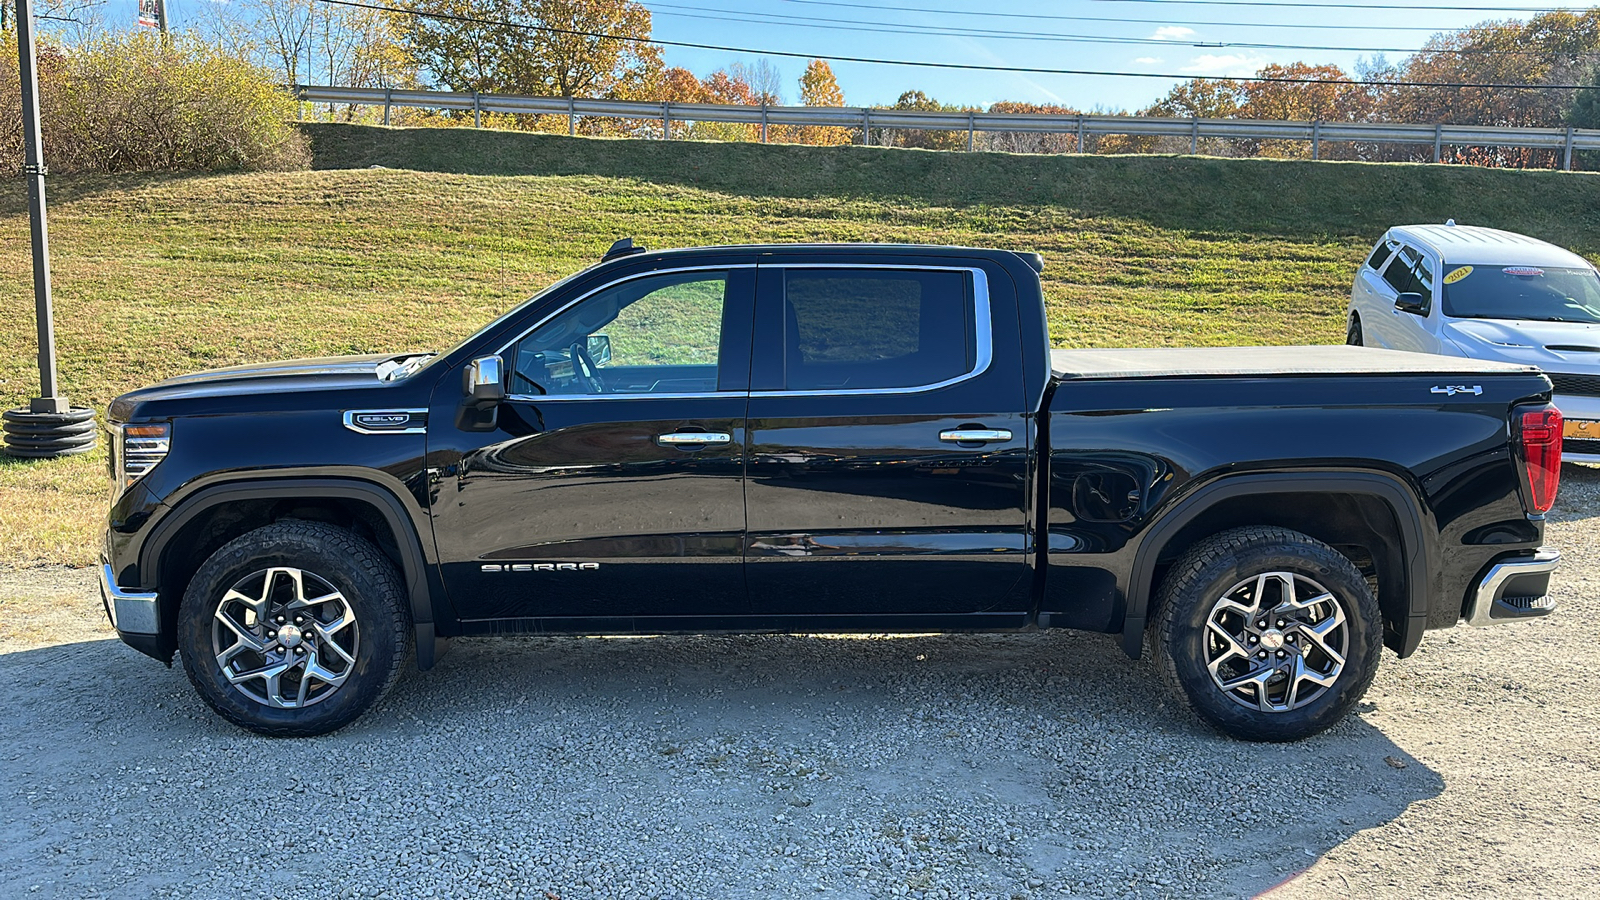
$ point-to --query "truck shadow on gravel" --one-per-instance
(1036, 765)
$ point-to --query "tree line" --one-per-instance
(599, 49)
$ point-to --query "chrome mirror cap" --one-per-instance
(485, 379)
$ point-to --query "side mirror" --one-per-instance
(1411, 302)
(599, 348)
(486, 380)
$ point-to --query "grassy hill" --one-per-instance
(156, 276)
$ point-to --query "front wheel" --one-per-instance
(294, 629)
(1269, 635)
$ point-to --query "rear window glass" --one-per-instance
(855, 329)
(1379, 254)
(1536, 293)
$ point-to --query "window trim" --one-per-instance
(540, 398)
(983, 325)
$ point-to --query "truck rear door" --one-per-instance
(888, 457)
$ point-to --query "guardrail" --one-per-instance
(1565, 140)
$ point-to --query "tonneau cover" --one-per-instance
(1176, 362)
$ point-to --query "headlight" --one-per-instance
(135, 450)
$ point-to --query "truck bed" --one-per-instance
(1184, 362)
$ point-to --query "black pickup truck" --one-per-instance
(824, 438)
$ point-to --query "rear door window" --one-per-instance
(874, 329)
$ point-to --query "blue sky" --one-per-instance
(1169, 33)
(1171, 49)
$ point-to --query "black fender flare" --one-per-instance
(413, 562)
(1400, 499)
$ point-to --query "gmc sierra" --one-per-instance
(825, 438)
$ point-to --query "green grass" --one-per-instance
(156, 276)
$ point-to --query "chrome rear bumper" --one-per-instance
(131, 612)
(1515, 588)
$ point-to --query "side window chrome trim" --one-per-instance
(982, 321)
(540, 398)
(607, 286)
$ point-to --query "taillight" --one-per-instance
(1539, 436)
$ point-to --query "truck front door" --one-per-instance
(612, 481)
(888, 448)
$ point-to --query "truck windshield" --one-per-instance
(1534, 293)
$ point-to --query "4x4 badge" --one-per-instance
(1450, 390)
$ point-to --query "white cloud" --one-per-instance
(1230, 64)
(1173, 33)
(1149, 60)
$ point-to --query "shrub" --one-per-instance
(134, 102)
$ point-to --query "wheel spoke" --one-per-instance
(245, 638)
(1258, 679)
(1234, 648)
(1318, 634)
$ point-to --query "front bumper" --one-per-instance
(1515, 588)
(131, 612)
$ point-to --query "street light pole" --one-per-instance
(49, 426)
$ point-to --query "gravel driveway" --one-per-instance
(1015, 766)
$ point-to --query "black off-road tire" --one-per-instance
(1194, 585)
(1352, 334)
(347, 562)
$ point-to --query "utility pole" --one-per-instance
(49, 426)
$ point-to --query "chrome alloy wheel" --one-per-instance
(285, 637)
(1276, 642)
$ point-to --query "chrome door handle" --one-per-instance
(683, 438)
(974, 435)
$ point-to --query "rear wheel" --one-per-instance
(1352, 335)
(294, 629)
(1268, 634)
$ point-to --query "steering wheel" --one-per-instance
(583, 368)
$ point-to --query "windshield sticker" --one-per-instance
(1528, 271)
(1458, 274)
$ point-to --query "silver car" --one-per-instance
(1461, 290)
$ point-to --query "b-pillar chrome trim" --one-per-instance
(132, 612)
(1480, 611)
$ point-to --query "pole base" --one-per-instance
(47, 435)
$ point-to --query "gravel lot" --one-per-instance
(1031, 766)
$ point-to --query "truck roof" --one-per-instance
(1332, 359)
(1474, 244)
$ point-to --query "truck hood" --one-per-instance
(330, 373)
(1564, 346)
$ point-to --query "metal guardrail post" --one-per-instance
(972, 126)
(477, 110)
(866, 127)
(572, 117)
(388, 101)
(1566, 155)
(763, 123)
(1438, 140)
(1194, 136)
(666, 122)
(1316, 140)
(1080, 134)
